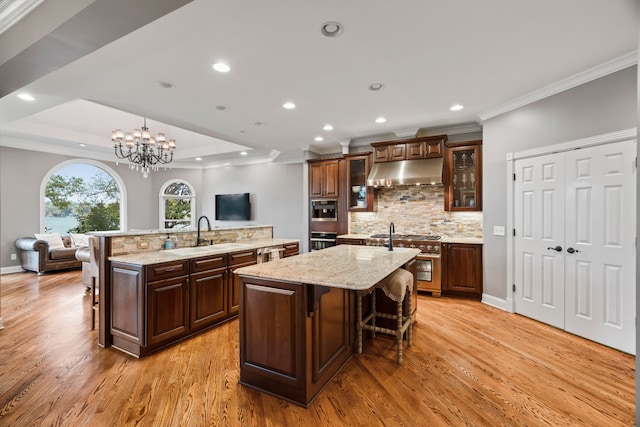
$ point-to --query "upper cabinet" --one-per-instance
(463, 176)
(324, 178)
(412, 149)
(359, 196)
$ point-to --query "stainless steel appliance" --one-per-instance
(321, 240)
(428, 261)
(324, 210)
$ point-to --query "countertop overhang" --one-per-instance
(343, 266)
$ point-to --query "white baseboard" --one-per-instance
(495, 302)
(9, 270)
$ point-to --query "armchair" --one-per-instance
(36, 255)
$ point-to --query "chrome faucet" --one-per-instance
(199, 241)
(392, 229)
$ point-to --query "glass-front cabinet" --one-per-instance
(359, 196)
(463, 176)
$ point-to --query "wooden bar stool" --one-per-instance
(396, 286)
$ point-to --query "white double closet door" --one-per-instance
(574, 248)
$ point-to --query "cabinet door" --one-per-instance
(415, 150)
(463, 268)
(208, 298)
(234, 289)
(167, 309)
(359, 195)
(316, 179)
(380, 154)
(463, 178)
(332, 178)
(397, 152)
(433, 149)
(324, 178)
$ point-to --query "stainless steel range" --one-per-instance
(428, 261)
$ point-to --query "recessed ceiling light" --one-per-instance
(456, 107)
(327, 127)
(381, 120)
(198, 159)
(82, 144)
(166, 85)
(243, 153)
(331, 29)
(26, 97)
(375, 86)
(289, 105)
(221, 67)
(227, 164)
(319, 138)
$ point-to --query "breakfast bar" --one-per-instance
(298, 317)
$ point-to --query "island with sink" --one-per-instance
(151, 298)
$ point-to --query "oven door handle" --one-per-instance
(315, 239)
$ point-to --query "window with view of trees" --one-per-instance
(81, 198)
(177, 205)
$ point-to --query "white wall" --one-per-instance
(604, 105)
(277, 192)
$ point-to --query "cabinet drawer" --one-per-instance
(167, 270)
(242, 257)
(291, 249)
(209, 263)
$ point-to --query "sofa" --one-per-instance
(40, 255)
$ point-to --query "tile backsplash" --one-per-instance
(415, 210)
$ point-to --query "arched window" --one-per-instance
(177, 205)
(82, 195)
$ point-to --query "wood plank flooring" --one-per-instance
(471, 365)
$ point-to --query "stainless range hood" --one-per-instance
(406, 172)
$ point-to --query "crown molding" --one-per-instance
(586, 76)
(12, 11)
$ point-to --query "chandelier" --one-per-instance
(143, 152)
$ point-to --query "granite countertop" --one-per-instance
(462, 239)
(156, 257)
(343, 266)
(445, 239)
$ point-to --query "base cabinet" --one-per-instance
(161, 304)
(293, 337)
(462, 269)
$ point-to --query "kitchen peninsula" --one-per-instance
(297, 316)
(151, 298)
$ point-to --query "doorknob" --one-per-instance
(557, 249)
(571, 250)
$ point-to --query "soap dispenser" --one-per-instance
(168, 244)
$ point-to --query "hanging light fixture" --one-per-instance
(143, 152)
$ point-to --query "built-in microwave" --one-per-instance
(324, 210)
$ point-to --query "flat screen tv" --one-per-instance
(233, 207)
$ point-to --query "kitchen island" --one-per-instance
(297, 316)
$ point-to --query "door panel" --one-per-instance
(601, 195)
(539, 199)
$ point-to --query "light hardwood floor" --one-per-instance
(471, 364)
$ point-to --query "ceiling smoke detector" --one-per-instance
(375, 86)
(331, 29)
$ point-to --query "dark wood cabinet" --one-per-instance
(291, 249)
(359, 195)
(294, 337)
(462, 268)
(349, 241)
(160, 304)
(167, 309)
(462, 176)
(411, 149)
(324, 178)
(209, 291)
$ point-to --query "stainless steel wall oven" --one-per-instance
(321, 240)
